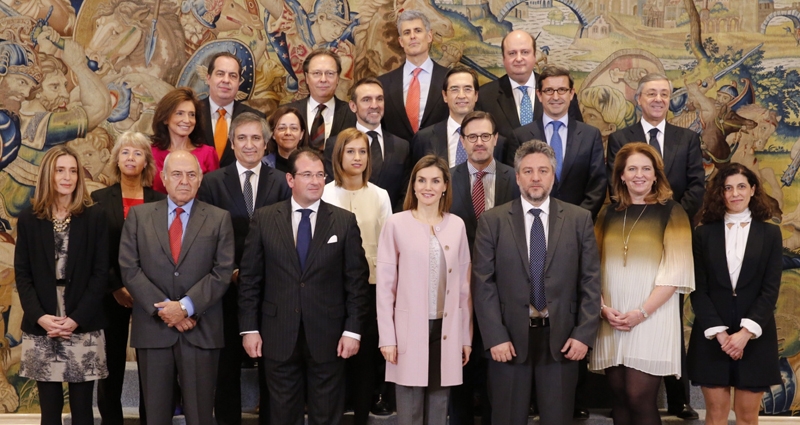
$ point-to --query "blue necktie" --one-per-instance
(538, 254)
(461, 154)
(556, 144)
(525, 107)
(304, 236)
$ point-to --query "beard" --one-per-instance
(53, 105)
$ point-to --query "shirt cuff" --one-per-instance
(751, 326)
(247, 332)
(355, 336)
(187, 302)
(711, 333)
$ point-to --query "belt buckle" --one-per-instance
(537, 322)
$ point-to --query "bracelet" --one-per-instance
(644, 313)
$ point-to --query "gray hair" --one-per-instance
(411, 15)
(531, 147)
(247, 118)
(653, 76)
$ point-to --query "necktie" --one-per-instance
(376, 155)
(461, 154)
(525, 107)
(412, 101)
(536, 265)
(247, 192)
(558, 149)
(176, 234)
(317, 140)
(478, 194)
(221, 133)
(304, 236)
(654, 140)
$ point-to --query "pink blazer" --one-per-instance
(402, 297)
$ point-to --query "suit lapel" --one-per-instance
(433, 94)
(441, 139)
(115, 198)
(395, 94)
(388, 151)
(196, 219)
(265, 185)
(516, 219)
(671, 142)
(502, 186)
(233, 187)
(159, 221)
(461, 180)
(76, 232)
(207, 129)
(283, 222)
(505, 100)
(752, 252)
(338, 116)
(321, 230)
(556, 221)
(571, 152)
(719, 260)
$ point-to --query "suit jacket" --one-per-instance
(86, 274)
(202, 273)
(583, 173)
(505, 190)
(395, 119)
(221, 188)
(343, 117)
(500, 284)
(497, 98)
(392, 176)
(109, 200)
(683, 162)
(208, 130)
(329, 296)
(755, 298)
(434, 140)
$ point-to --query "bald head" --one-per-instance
(181, 176)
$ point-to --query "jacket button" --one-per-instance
(444, 337)
(447, 247)
(297, 310)
(448, 291)
(445, 315)
(177, 274)
(437, 229)
(302, 285)
(449, 270)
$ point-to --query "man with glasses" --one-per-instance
(220, 107)
(303, 296)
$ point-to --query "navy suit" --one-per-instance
(434, 139)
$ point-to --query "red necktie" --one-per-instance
(412, 101)
(221, 133)
(176, 234)
(478, 194)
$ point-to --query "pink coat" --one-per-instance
(402, 297)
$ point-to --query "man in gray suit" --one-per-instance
(176, 259)
(536, 291)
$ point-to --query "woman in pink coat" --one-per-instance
(423, 298)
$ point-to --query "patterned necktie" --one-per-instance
(558, 149)
(538, 253)
(525, 107)
(304, 236)
(412, 101)
(478, 194)
(221, 133)
(317, 140)
(461, 153)
(654, 140)
(247, 192)
(376, 155)
(176, 234)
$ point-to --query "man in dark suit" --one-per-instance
(536, 291)
(683, 165)
(240, 188)
(390, 155)
(176, 259)
(581, 170)
(224, 76)
(510, 98)
(498, 186)
(323, 113)
(303, 292)
(460, 92)
(418, 78)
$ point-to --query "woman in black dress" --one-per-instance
(288, 134)
(737, 261)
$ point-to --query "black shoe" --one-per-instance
(381, 407)
(686, 413)
(580, 413)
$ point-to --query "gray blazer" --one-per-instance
(203, 272)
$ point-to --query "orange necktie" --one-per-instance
(221, 133)
(412, 101)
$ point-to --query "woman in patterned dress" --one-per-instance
(61, 265)
(645, 244)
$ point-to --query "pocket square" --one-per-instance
(333, 239)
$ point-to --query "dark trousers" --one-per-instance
(462, 406)
(364, 370)
(228, 398)
(51, 402)
(109, 390)
(678, 389)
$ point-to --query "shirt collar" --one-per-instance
(452, 126)
(313, 207)
(647, 126)
(426, 66)
(490, 169)
(330, 105)
(526, 206)
(547, 120)
(214, 107)
(364, 130)
(187, 208)
(530, 83)
(742, 217)
(241, 169)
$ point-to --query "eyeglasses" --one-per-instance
(561, 90)
(311, 176)
(319, 74)
(472, 138)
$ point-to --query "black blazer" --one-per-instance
(109, 200)
(343, 117)
(86, 274)
(505, 190)
(392, 176)
(434, 139)
(583, 174)
(756, 296)
(683, 162)
(497, 98)
(221, 188)
(395, 119)
(208, 129)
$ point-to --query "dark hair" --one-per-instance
(660, 192)
(714, 201)
(361, 82)
(164, 110)
(213, 60)
(322, 52)
(477, 115)
(461, 69)
(346, 136)
(553, 71)
(312, 154)
(430, 160)
(503, 42)
(272, 145)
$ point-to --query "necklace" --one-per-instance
(626, 239)
(62, 224)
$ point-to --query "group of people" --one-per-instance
(451, 243)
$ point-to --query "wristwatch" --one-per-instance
(186, 312)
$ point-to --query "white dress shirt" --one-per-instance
(378, 130)
(548, 131)
(327, 114)
(253, 179)
(488, 182)
(661, 126)
(424, 79)
(531, 84)
(215, 114)
(453, 139)
(545, 207)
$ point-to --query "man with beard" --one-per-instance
(15, 86)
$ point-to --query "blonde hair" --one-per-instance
(45, 195)
(346, 136)
(610, 103)
(139, 141)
